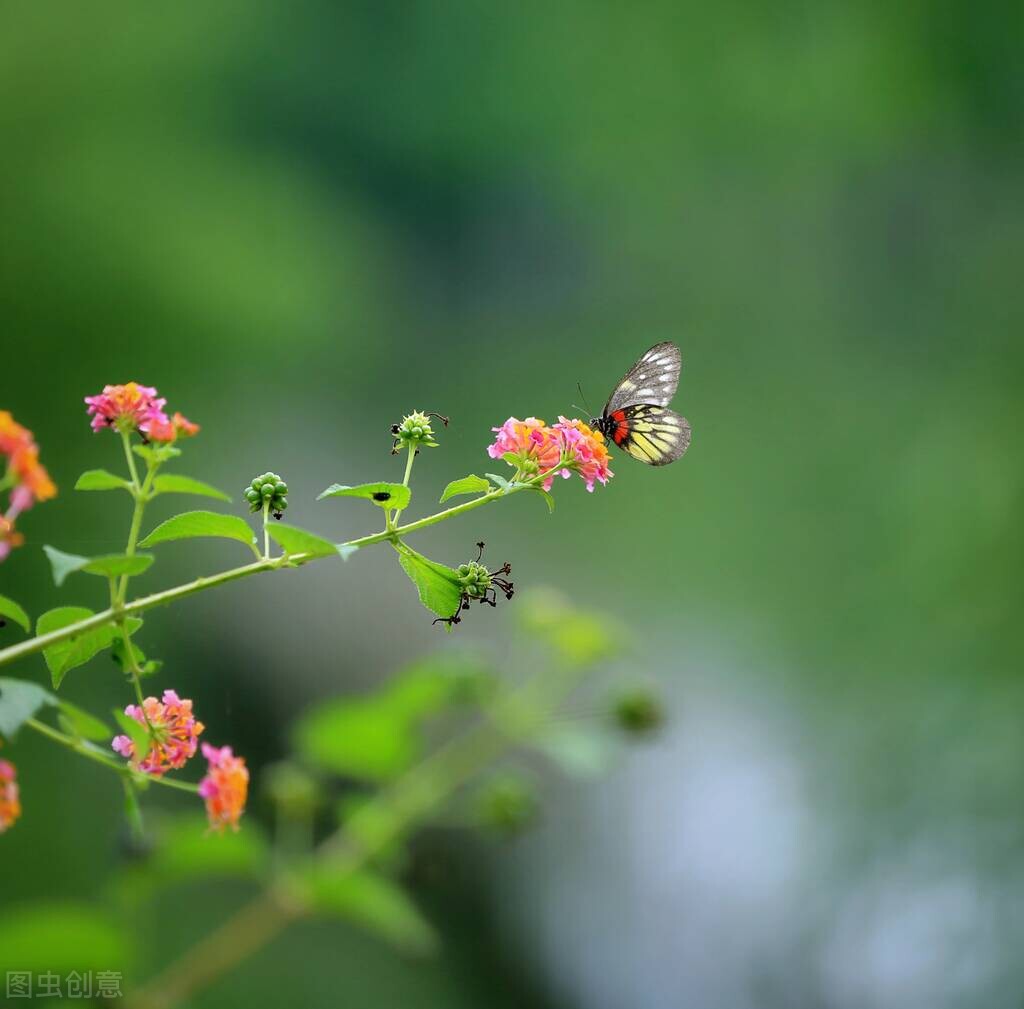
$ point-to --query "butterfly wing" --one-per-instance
(653, 379)
(653, 434)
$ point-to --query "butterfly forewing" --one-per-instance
(652, 380)
(653, 434)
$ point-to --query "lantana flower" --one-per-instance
(224, 788)
(24, 475)
(568, 447)
(10, 805)
(529, 445)
(179, 426)
(126, 408)
(586, 449)
(175, 734)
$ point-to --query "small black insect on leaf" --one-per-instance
(382, 495)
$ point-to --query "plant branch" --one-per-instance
(42, 641)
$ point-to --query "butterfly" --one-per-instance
(636, 416)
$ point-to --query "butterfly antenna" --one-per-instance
(579, 389)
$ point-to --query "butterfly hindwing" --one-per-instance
(652, 380)
(653, 434)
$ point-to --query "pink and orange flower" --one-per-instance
(568, 447)
(128, 407)
(224, 788)
(586, 449)
(24, 475)
(175, 734)
(10, 804)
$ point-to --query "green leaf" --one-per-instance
(298, 541)
(170, 483)
(437, 584)
(66, 655)
(188, 525)
(100, 479)
(386, 495)
(156, 454)
(83, 724)
(119, 653)
(373, 902)
(580, 752)
(548, 497)
(19, 701)
(108, 566)
(186, 850)
(500, 481)
(359, 738)
(10, 610)
(63, 564)
(376, 736)
(115, 565)
(467, 485)
(137, 732)
(60, 937)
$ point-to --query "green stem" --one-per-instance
(411, 458)
(37, 644)
(140, 494)
(266, 530)
(90, 752)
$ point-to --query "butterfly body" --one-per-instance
(636, 417)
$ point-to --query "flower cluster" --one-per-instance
(568, 447)
(10, 806)
(133, 407)
(175, 734)
(224, 788)
(24, 475)
(415, 430)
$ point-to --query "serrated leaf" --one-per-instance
(10, 610)
(298, 541)
(437, 584)
(373, 902)
(500, 481)
(115, 565)
(19, 701)
(189, 525)
(100, 479)
(63, 564)
(66, 655)
(137, 732)
(386, 495)
(471, 484)
(84, 724)
(170, 483)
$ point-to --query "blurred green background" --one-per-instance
(302, 220)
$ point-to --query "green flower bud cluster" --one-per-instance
(268, 488)
(639, 711)
(416, 430)
(474, 579)
(507, 804)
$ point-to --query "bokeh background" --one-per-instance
(301, 220)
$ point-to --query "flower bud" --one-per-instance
(639, 711)
(507, 804)
(267, 489)
(474, 579)
(415, 431)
